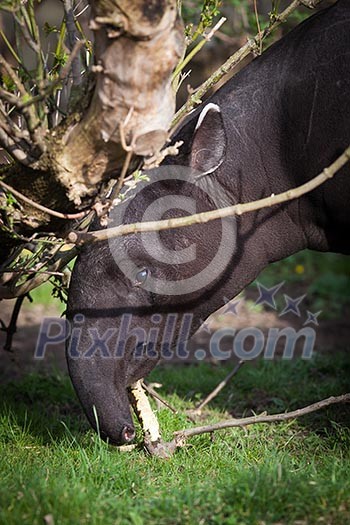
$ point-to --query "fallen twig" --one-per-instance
(157, 447)
(217, 389)
(181, 436)
(156, 396)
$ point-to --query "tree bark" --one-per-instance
(137, 45)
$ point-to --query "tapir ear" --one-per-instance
(209, 141)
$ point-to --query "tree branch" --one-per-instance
(32, 44)
(124, 31)
(32, 119)
(157, 447)
(252, 46)
(29, 113)
(148, 421)
(14, 130)
(221, 213)
(206, 38)
(53, 213)
(182, 435)
(198, 409)
(16, 152)
(49, 88)
(72, 39)
(62, 259)
(11, 329)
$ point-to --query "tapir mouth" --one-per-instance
(125, 436)
(110, 416)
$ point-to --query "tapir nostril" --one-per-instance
(128, 434)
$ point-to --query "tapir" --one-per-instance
(275, 125)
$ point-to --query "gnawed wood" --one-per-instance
(152, 438)
(166, 449)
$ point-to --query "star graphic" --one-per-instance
(312, 318)
(231, 307)
(267, 295)
(292, 305)
(205, 326)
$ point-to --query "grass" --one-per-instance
(54, 469)
(297, 472)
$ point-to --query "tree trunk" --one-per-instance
(136, 47)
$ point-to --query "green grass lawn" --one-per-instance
(297, 472)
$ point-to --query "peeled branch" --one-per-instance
(157, 447)
(148, 420)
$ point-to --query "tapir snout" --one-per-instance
(105, 402)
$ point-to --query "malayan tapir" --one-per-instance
(275, 125)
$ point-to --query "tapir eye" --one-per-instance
(141, 276)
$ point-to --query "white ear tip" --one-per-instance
(205, 110)
(212, 106)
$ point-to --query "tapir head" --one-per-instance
(137, 298)
(129, 296)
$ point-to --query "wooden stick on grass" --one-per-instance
(157, 447)
(181, 436)
(217, 389)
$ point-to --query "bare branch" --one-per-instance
(29, 114)
(13, 128)
(9, 144)
(157, 447)
(49, 88)
(9, 97)
(198, 47)
(217, 389)
(29, 271)
(258, 25)
(11, 329)
(252, 46)
(26, 34)
(182, 435)
(9, 46)
(53, 213)
(28, 14)
(62, 259)
(14, 77)
(156, 396)
(72, 39)
(204, 217)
